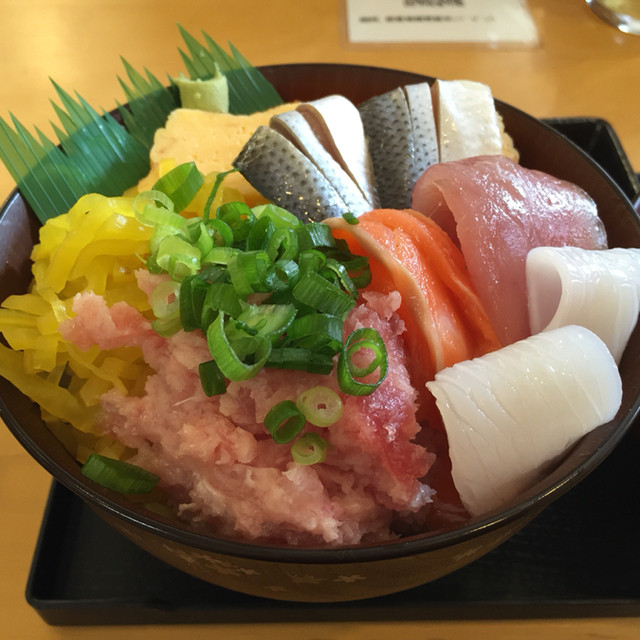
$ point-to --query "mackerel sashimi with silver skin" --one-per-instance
(338, 125)
(423, 125)
(282, 173)
(296, 128)
(312, 161)
(356, 159)
(387, 124)
(402, 138)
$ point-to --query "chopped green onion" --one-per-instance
(206, 214)
(162, 231)
(232, 360)
(315, 235)
(284, 421)
(152, 265)
(222, 232)
(248, 272)
(181, 184)
(260, 234)
(163, 299)
(168, 325)
(314, 324)
(280, 217)
(212, 379)
(319, 344)
(358, 269)
(281, 274)
(239, 217)
(320, 405)
(348, 371)
(311, 260)
(193, 291)
(119, 475)
(283, 244)
(320, 332)
(299, 359)
(313, 290)
(181, 266)
(154, 200)
(154, 197)
(199, 235)
(285, 296)
(349, 218)
(265, 289)
(159, 216)
(340, 274)
(309, 449)
(178, 257)
(269, 320)
(213, 273)
(220, 297)
(219, 255)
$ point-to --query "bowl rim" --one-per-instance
(534, 500)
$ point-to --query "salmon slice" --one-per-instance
(445, 320)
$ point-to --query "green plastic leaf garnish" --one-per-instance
(97, 153)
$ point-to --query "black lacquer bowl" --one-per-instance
(368, 570)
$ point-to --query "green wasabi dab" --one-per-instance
(208, 95)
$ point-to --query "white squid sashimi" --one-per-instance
(510, 413)
(597, 289)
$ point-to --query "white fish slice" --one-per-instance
(401, 133)
(387, 126)
(281, 172)
(512, 412)
(336, 122)
(466, 118)
(597, 289)
(294, 126)
(423, 125)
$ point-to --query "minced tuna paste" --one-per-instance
(221, 468)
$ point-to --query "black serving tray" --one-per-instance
(579, 558)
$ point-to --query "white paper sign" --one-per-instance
(490, 22)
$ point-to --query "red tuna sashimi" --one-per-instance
(220, 465)
(497, 211)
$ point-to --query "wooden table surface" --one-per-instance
(582, 67)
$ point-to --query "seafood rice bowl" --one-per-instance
(344, 354)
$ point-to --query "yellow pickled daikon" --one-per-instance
(97, 246)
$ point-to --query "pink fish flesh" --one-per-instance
(223, 470)
(497, 210)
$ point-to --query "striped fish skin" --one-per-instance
(294, 126)
(336, 122)
(423, 127)
(284, 175)
(387, 125)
